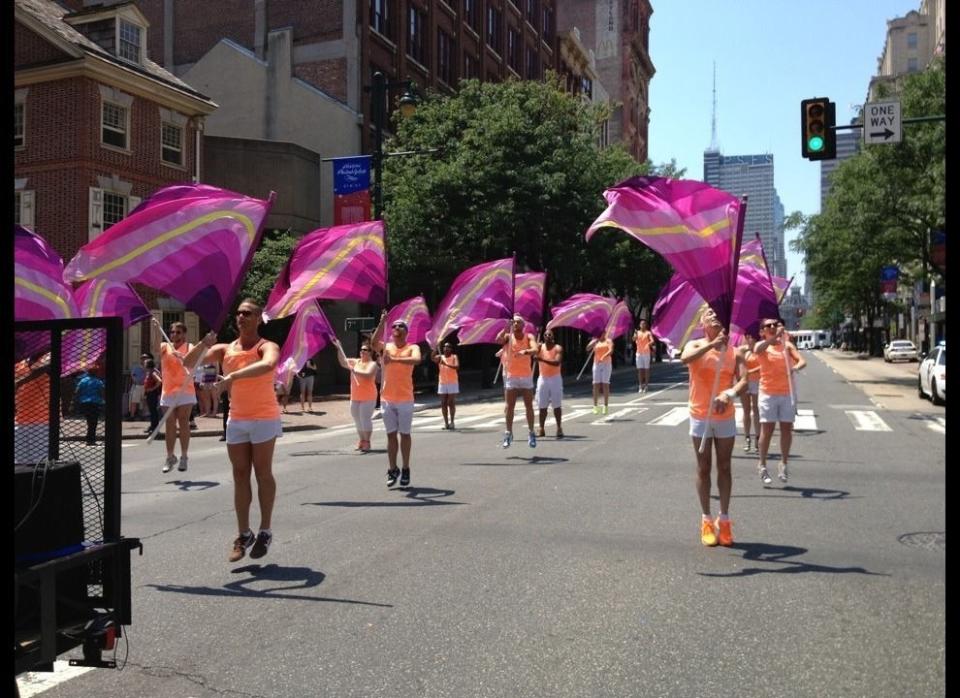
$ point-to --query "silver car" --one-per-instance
(900, 350)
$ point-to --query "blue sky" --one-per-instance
(770, 54)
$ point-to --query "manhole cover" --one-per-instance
(925, 540)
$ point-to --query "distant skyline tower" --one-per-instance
(713, 117)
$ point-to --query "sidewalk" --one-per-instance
(330, 410)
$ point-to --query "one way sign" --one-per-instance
(881, 122)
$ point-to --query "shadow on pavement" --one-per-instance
(269, 573)
(418, 496)
(777, 555)
(187, 485)
(805, 493)
(533, 460)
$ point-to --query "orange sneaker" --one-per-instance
(708, 535)
(724, 532)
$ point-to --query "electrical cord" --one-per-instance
(45, 463)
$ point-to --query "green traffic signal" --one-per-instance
(815, 144)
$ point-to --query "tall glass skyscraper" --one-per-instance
(752, 175)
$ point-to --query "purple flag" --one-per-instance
(695, 227)
(39, 290)
(527, 302)
(584, 311)
(781, 285)
(192, 242)
(412, 311)
(482, 292)
(345, 262)
(620, 322)
(309, 333)
(676, 314)
(104, 298)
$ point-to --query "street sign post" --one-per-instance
(881, 122)
(360, 324)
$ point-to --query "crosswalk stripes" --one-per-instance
(867, 420)
(936, 424)
(673, 417)
(458, 421)
(618, 415)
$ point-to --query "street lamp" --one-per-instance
(408, 105)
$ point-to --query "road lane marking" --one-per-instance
(33, 683)
(806, 420)
(615, 417)
(867, 420)
(675, 416)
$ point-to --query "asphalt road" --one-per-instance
(572, 569)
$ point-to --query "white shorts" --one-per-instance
(136, 393)
(362, 413)
(602, 371)
(30, 443)
(397, 416)
(753, 387)
(776, 408)
(254, 431)
(448, 389)
(518, 382)
(643, 359)
(719, 428)
(178, 399)
(549, 392)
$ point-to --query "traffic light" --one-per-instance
(818, 116)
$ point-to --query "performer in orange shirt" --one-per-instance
(396, 395)
(748, 398)
(550, 382)
(602, 349)
(520, 348)
(363, 390)
(449, 383)
(644, 340)
(714, 418)
(253, 425)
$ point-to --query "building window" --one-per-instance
(16, 207)
(114, 208)
(533, 64)
(19, 110)
(445, 54)
(470, 67)
(547, 31)
(380, 17)
(912, 40)
(416, 36)
(912, 65)
(586, 87)
(513, 49)
(471, 9)
(494, 28)
(171, 144)
(114, 125)
(129, 44)
(531, 12)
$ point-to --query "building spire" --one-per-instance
(713, 117)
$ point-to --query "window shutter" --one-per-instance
(133, 344)
(192, 321)
(26, 209)
(96, 212)
(132, 203)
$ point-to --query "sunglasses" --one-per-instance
(245, 313)
(768, 325)
(364, 348)
(399, 327)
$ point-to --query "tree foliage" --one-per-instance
(519, 171)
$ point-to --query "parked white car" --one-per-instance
(900, 350)
(932, 377)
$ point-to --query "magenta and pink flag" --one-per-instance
(39, 292)
(588, 312)
(620, 322)
(105, 298)
(345, 262)
(694, 226)
(528, 297)
(412, 311)
(482, 292)
(192, 242)
(309, 334)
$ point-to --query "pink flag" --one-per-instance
(781, 285)
(528, 295)
(103, 298)
(412, 311)
(39, 290)
(192, 242)
(345, 262)
(676, 314)
(584, 311)
(309, 333)
(620, 322)
(695, 227)
(482, 292)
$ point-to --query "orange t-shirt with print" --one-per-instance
(703, 372)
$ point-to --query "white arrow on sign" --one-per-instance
(881, 122)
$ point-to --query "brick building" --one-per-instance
(98, 126)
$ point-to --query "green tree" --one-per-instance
(520, 172)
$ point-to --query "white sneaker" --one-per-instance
(507, 439)
(169, 463)
(765, 476)
(782, 472)
(183, 464)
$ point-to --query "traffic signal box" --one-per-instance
(818, 116)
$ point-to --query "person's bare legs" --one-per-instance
(444, 410)
(170, 431)
(606, 394)
(557, 414)
(766, 435)
(452, 405)
(393, 446)
(543, 418)
(183, 421)
(786, 440)
(704, 463)
(724, 449)
(241, 458)
(528, 405)
(405, 443)
(596, 393)
(262, 454)
(510, 406)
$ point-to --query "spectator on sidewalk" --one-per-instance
(306, 376)
(90, 400)
(135, 390)
(152, 384)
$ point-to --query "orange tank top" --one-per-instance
(549, 370)
(603, 352)
(362, 388)
(702, 374)
(254, 397)
(448, 374)
(753, 366)
(398, 378)
(519, 364)
(644, 340)
(773, 371)
(176, 378)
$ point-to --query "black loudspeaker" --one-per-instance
(51, 501)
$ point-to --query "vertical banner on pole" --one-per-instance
(888, 282)
(351, 190)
